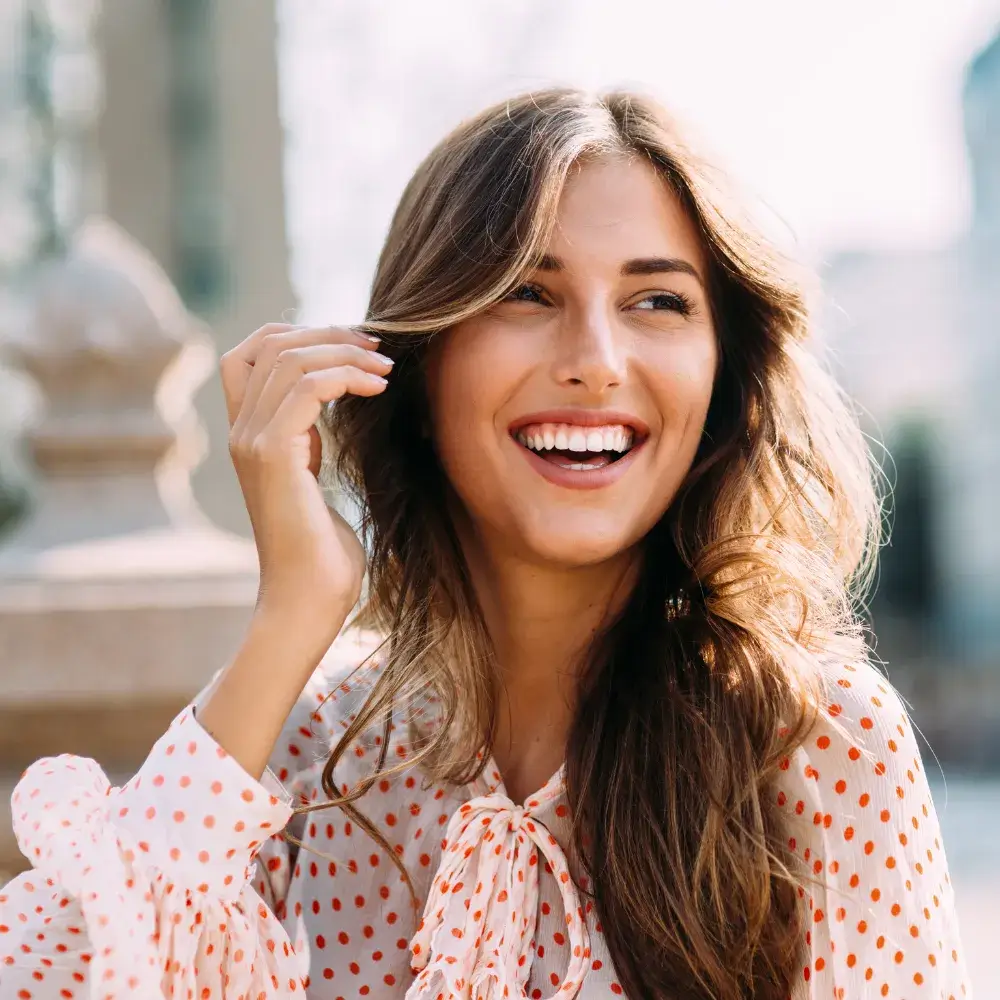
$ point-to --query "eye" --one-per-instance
(673, 301)
(525, 293)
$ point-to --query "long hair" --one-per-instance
(682, 720)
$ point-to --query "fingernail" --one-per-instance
(378, 378)
(383, 358)
(372, 338)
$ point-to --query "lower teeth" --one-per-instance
(592, 464)
(565, 461)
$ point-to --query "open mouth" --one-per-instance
(576, 448)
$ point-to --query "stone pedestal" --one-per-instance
(118, 598)
(191, 144)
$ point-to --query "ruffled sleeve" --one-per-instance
(145, 890)
(882, 920)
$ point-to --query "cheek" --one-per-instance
(684, 380)
(455, 383)
(465, 385)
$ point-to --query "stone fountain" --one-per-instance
(118, 598)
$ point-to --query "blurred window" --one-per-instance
(909, 578)
(199, 261)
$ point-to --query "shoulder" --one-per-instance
(862, 822)
(349, 667)
(859, 773)
(862, 718)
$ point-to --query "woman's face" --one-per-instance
(567, 416)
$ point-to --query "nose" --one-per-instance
(591, 353)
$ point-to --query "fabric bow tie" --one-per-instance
(478, 929)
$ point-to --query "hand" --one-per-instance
(276, 382)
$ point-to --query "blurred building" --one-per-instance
(143, 234)
(192, 145)
(164, 116)
(916, 338)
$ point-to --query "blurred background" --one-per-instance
(175, 173)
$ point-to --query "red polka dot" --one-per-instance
(840, 824)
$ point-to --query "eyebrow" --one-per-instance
(636, 266)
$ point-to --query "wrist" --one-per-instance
(250, 700)
(302, 623)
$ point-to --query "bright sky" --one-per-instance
(844, 117)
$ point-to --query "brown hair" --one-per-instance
(682, 721)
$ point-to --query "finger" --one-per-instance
(315, 450)
(295, 364)
(236, 366)
(300, 408)
(272, 346)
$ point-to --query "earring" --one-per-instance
(677, 606)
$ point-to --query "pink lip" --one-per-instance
(583, 418)
(573, 479)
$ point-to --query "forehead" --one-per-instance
(618, 208)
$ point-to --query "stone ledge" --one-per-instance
(87, 658)
(119, 735)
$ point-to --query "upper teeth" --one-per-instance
(571, 437)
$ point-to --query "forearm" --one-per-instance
(250, 700)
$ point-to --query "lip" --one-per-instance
(583, 418)
(573, 479)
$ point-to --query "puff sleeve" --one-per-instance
(174, 884)
(863, 823)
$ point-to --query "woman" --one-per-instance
(605, 724)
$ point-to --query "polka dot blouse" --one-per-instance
(181, 883)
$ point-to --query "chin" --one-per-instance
(560, 542)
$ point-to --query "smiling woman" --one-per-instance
(605, 717)
(611, 329)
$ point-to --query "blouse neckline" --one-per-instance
(552, 790)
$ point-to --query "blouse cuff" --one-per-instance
(161, 866)
(197, 814)
(191, 813)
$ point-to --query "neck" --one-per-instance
(541, 618)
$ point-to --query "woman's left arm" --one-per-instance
(862, 820)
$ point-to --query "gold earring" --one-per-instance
(677, 606)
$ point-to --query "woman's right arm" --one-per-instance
(144, 890)
(157, 882)
(153, 879)
(311, 562)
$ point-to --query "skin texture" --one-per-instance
(548, 561)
